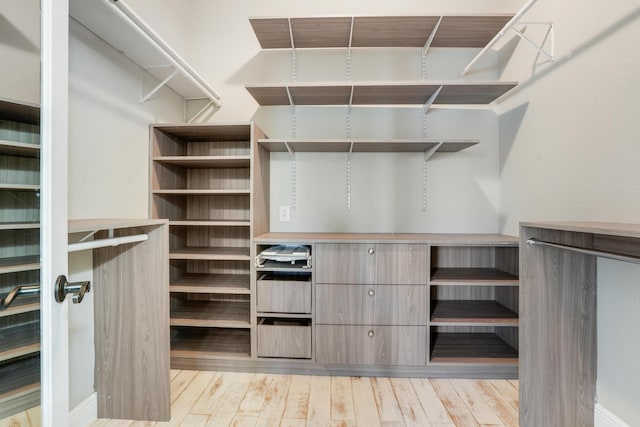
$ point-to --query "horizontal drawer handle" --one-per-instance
(371, 292)
(371, 334)
(371, 251)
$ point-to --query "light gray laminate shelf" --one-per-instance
(19, 225)
(210, 343)
(383, 93)
(19, 341)
(20, 377)
(18, 264)
(205, 161)
(238, 284)
(19, 149)
(473, 276)
(365, 145)
(211, 253)
(22, 305)
(212, 314)
(472, 313)
(19, 187)
(201, 192)
(485, 348)
(377, 31)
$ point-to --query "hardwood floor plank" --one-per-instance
(180, 382)
(433, 407)
(182, 405)
(195, 420)
(225, 409)
(244, 421)
(142, 424)
(18, 420)
(173, 373)
(497, 403)
(298, 398)
(35, 416)
(319, 413)
(291, 422)
(480, 410)
(508, 393)
(253, 401)
(515, 384)
(210, 396)
(388, 408)
(458, 411)
(409, 403)
(275, 401)
(343, 423)
(119, 423)
(364, 403)
(342, 399)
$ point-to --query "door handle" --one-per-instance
(77, 289)
(17, 291)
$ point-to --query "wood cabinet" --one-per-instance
(19, 256)
(211, 181)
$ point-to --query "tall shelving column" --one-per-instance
(202, 180)
(19, 256)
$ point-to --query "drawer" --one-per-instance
(345, 263)
(371, 345)
(402, 264)
(287, 338)
(371, 305)
(284, 293)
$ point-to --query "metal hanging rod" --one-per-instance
(18, 291)
(603, 254)
(104, 243)
(171, 55)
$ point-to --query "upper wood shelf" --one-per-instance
(377, 31)
(20, 149)
(384, 93)
(17, 111)
(22, 305)
(207, 132)
(18, 264)
(210, 223)
(472, 313)
(364, 145)
(473, 276)
(206, 161)
(199, 283)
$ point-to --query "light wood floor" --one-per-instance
(240, 399)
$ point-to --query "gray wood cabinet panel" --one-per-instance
(369, 304)
(284, 339)
(402, 264)
(345, 263)
(276, 296)
(371, 345)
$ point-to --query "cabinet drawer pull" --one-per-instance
(371, 251)
(371, 292)
(371, 334)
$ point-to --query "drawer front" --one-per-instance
(371, 305)
(283, 296)
(345, 263)
(286, 341)
(371, 345)
(402, 264)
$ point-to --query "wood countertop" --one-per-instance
(450, 239)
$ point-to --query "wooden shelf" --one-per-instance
(19, 112)
(20, 187)
(201, 192)
(19, 377)
(207, 132)
(364, 145)
(210, 223)
(385, 93)
(19, 225)
(19, 341)
(285, 267)
(472, 312)
(18, 264)
(473, 276)
(486, 348)
(211, 253)
(377, 31)
(22, 305)
(211, 314)
(206, 161)
(19, 149)
(214, 343)
(211, 284)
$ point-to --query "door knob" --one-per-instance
(371, 334)
(371, 292)
(371, 251)
(76, 289)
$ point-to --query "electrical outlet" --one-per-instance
(285, 214)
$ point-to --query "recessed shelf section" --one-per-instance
(383, 93)
(364, 145)
(19, 149)
(21, 305)
(205, 161)
(458, 347)
(210, 343)
(211, 283)
(211, 253)
(20, 263)
(19, 340)
(212, 314)
(377, 31)
(473, 312)
(460, 276)
(19, 378)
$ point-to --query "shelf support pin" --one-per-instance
(292, 153)
(426, 156)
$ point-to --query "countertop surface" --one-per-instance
(426, 238)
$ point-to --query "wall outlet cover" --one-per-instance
(285, 214)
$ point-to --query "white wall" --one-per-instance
(20, 50)
(463, 189)
(569, 151)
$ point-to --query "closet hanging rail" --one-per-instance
(610, 255)
(104, 243)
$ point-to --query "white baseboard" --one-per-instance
(604, 418)
(85, 413)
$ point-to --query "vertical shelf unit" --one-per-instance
(474, 304)
(211, 181)
(19, 255)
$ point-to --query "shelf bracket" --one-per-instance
(145, 98)
(292, 153)
(294, 59)
(426, 47)
(425, 109)
(349, 175)
(199, 113)
(509, 26)
(539, 48)
(426, 156)
(293, 113)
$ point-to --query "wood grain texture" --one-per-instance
(412, 410)
(345, 263)
(468, 31)
(284, 338)
(445, 239)
(353, 305)
(558, 330)
(260, 182)
(275, 296)
(320, 32)
(132, 330)
(472, 312)
(401, 264)
(476, 347)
